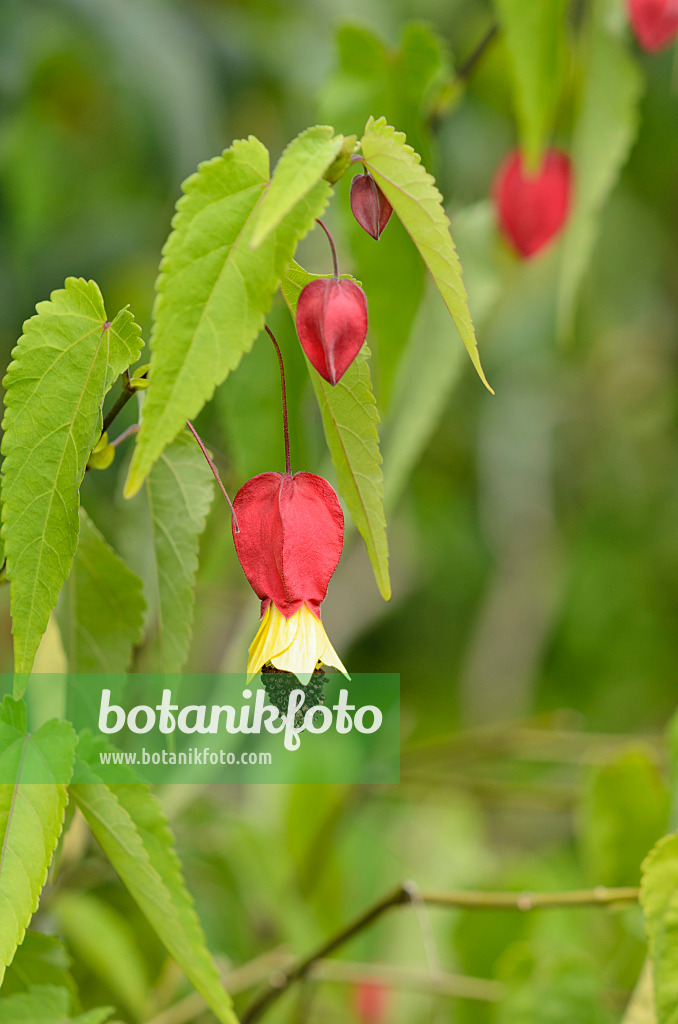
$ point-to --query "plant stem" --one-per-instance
(119, 404)
(215, 471)
(125, 434)
(288, 464)
(470, 63)
(334, 251)
(281, 980)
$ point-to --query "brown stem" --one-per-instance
(215, 471)
(470, 63)
(288, 464)
(334, 251)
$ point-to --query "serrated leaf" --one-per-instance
(535, 35)
(34, 770)
(39, 960)
(213, 290)
(180, 488)
(300, 167)
(659, 899)
(101, 608)
(130, 826)
(606, 127)
(62, 368)
(47, 1004)
(350, 417)
(412, 192)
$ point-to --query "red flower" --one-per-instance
(654, 22)
(370, 206)
(532, 207)
(332, 324)
(370, 1000)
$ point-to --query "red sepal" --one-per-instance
(370, 206)
(532, 208)
(654, 22)
(332, 325)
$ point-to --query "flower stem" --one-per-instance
(334, 251)
(215, 471)
(288, 464)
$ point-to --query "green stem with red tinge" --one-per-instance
(288, 464)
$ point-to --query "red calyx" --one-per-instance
(532, 207)
(290, 538)
(370, 206)
(332, 325)
(654, 22)
(370, 1000)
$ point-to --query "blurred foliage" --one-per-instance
(534, 544)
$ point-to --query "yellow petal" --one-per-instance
(294, 645)
(274, 635)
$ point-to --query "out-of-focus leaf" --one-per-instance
(301, 166)
(640, 1008)
(129, 824)
(32, 808)
(557, 985)
(659, 898)
(213, 291)
(603, 135)
(104, 941)
(180, 488)
(47, 1004)
(535, 35)
(39, 960)
(350, 417)
(63, 366)
(625, 811)
(412, 192)
(101, 609)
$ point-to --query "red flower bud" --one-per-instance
(370, 1000)
(332, 324)
(291, 532)
(532, 207)
(654, 22)
(370, 206)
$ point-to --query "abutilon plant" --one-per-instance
(332, 321)
(370, 206)
(654, 22)
(288, 538)
(532, 207)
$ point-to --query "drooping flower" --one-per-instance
(654, 22)
(532, 207)
(289, 541)
(332, 324)
(370, 206)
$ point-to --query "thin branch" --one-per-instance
(334, 251)
(281, 980)
(133, 429)
(215, 472)
(469, 64)
(286, 429)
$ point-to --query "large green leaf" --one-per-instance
(180, 488)
(301, 166)
(47, 1004)
(65, 362)
(412, 192)
(535, 35)
(129, 824)
(34, 771)
(101, 608)
(659, 898)
(606, 127)
(213, 291)
(350, 418)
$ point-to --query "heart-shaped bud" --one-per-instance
(532, 207)
(370, 1001)
(291, 531)
(654, 22)
(370, 206)
(332, 325)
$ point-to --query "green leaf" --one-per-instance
(213, 291)
(659, 898)
(34, 770)
(101, 609)
(62, 367)
(301, 166)
(350, 418)
(640, 1008)
(536, 40)
(104, 941)
(412, 192)
(180, 488)
(129, 824)
(606, 127)
(47, 1004)
(39, 960)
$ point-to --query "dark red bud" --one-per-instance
(532, 207)
(654, 22)
(370, 1000)
(370, 206)
(290, 539)
(332, 324)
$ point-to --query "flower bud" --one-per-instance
(654, 22)
(370, 1001)
(532, 207)
(332, 325)
(370, 206)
